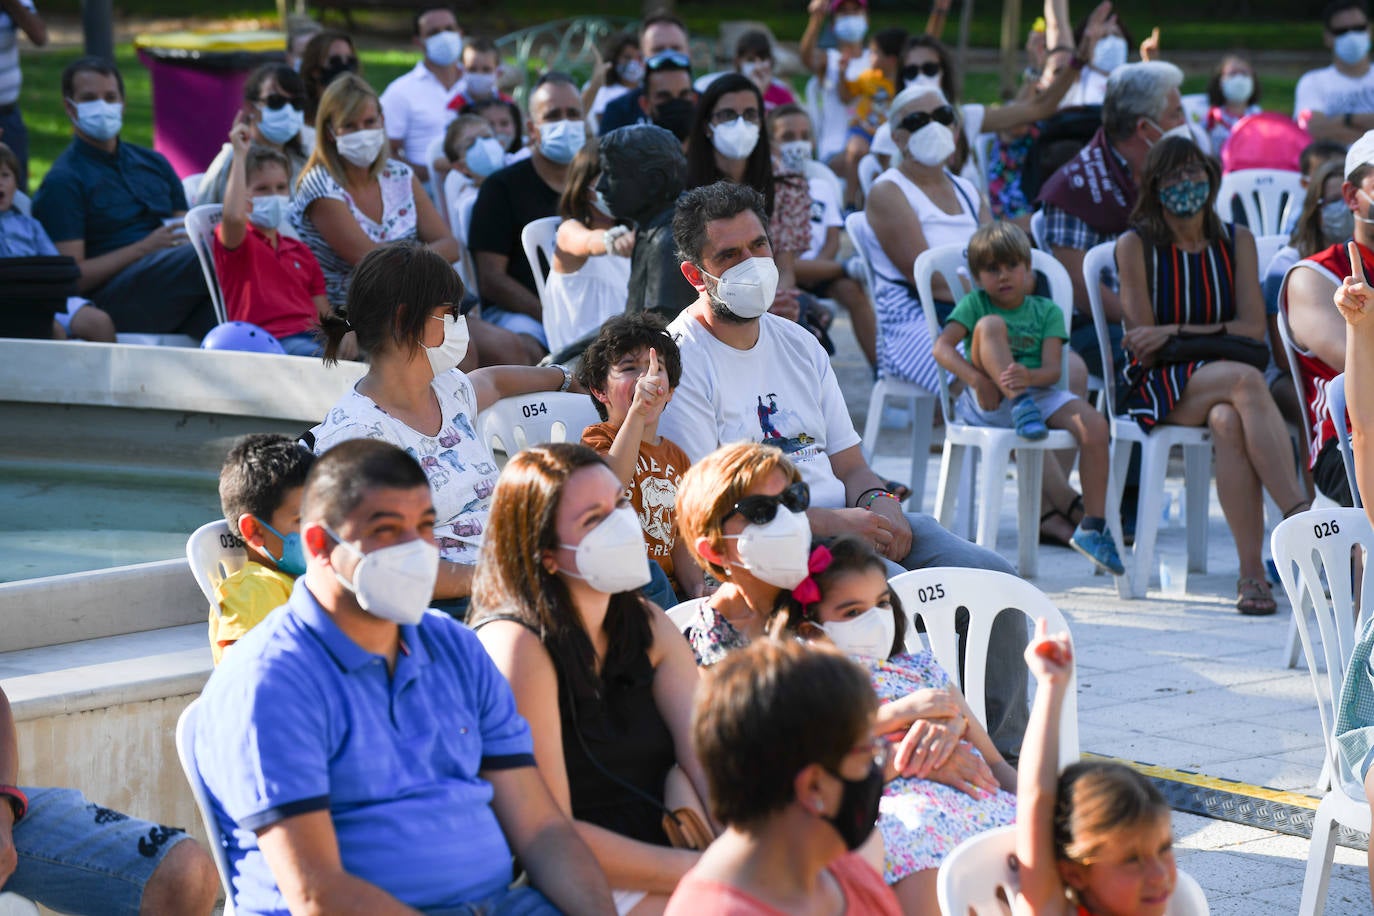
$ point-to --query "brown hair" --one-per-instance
(849, 553)
(1166, 157)
(712, 486)
(1097, 799)
(512, 579)
(344, 98)
(1307, 231)
(996, 243)
(575, 201)
(10, 161)
(456, 128)
(768, 711)
(313, 61)
(258, 472)
(259, 156)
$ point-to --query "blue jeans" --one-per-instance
(77, 857)
(518, 901)
(302, 344)
(160, 293)
(660, 587)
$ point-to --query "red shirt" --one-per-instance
(865, 894)
(461, 100)
(274, 288)
(1311, 373)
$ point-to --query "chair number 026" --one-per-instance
(533, 410)
(1326, 529)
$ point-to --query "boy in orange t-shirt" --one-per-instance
(631, 370)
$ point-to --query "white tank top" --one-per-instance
(939, 227)
(579, 303)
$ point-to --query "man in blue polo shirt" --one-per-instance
(111, 206)
(363, 755)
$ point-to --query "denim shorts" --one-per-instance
(1049, 400)
(515, 901)
(77, 857)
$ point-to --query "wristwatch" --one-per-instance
(19, 802)
(567, 375)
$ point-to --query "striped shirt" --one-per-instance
(10, 77)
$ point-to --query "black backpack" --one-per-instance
(32, 290)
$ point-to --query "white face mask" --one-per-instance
(755, 69)
(1338, 223)
(481, 85)
(932, 144)
(444, 48)
(869, 635)
(777, 552)
(921, 79)
(1237, 88)
(851, 28)
(1178, 130)
(1352, 47)
(269, 211)
(795, 154)
(1109, 53)
(560, 141)
(394, 583)
(362, 146)
(450, 353)
(735, 139)
(612, 558)
(748, 288)
(632, 71)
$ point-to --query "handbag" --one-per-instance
(1189, 346)
(686, 830)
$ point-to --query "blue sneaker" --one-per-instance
(1030, 424)
(1098, 547)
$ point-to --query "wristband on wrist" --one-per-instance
(567, 375)
(19, 802)
(860, 498)
(1077, 63)
(878, 494)
(1061, 49)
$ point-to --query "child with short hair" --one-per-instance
(22, 236)
(471, 153)
(481, 71)
(1014, 361)
(260, 487)
(1095, 840)
(268, 279)
(631, 370)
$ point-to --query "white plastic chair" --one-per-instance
(533, 419)
(936, 594)
(214, 553)
(811, 100)
(680, 614)
(992, 446)
(1266, 246)
(869, 170)
(1319, 543)
(12, 904)
(982, 154)
(1266, 196)
(190, 186)
(977, 869)
(819, 170)
(920, 401)
(1335, 408)
(200, 230)
(186, 752)
(1037, 227)
(538, 236)
(436, 188)
(23, 203)
(1155, 446)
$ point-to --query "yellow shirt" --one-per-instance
(245, 598)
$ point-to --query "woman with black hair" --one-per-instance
(274, 106)
(728, 143)
(1232, 93)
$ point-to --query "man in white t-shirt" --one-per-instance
(416, 103)
(1337, 102)
(750, 375)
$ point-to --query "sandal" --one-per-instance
(1254, 597)
(1052, 537)
(1075, 512)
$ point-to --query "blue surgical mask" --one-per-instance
(485, 156)
(99, 119)
(444, 48)
(481, 85)
(1352, 47)
(292, 559)
(560, 141)
(269, 211)
(851, 28)
(281, 125)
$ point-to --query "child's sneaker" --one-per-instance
(1027, 419)
(1098, 547)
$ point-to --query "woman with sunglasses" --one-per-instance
(1184, 271)
(601, 675)
(403, 308)
(742, 512)
(274, 107)
(329, 55)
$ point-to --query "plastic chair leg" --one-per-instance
(992, 479)
(1292, 650)
(1116, 485)
(873, 422)
(947, 492)
(1154, 462)
(1197, 470)
(1317, 880)
(922, 421)
(1030, 465)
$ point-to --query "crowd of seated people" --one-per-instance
(357, 737)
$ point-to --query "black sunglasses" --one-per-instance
(760, 510)
(674, 60)
(918, 119)
(1353, 28)
(275, 101)
(342, 63)
(929, 68)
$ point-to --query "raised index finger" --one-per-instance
(1356, 263)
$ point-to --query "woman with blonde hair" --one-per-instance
(602, 676)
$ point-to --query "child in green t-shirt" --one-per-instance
(1015, 358)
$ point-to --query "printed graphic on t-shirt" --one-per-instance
(799, 446)
(657, 495)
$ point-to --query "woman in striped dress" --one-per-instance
(1183, 269)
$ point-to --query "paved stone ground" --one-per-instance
(1186, 683)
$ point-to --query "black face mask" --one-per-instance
(337, 67)
(858, 813)
(675, 116)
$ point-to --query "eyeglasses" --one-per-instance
(929, 68)
(726, 115)
(1349, 29)
(1193, 171)
(276, 101)
(760, 510)
(455, 310)
(918, 119)
(672, 60)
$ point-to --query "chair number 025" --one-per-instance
(931, 593)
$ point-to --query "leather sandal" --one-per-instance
(1049, 536)
(1254, 597)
